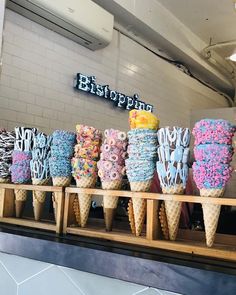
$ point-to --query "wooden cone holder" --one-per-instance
(7, 206)
(188, 242)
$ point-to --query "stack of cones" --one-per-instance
(40, 174)
(111, 170)
(20, 169)
(84, 168)
(60, 161)
(6, 148)
(172, 170)
(140, 165)
(213, 153)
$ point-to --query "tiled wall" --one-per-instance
(39, 67)
(21, 276)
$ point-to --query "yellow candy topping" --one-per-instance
(143, 120)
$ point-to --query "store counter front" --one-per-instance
(161, 269)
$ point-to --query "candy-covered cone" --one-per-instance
(20, 199)
(59, 181)
(85, 199)
(110, 202)
(139, 204)
(173, 209)
(38, 198)
(211, 213)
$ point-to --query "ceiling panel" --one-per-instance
(215, 19)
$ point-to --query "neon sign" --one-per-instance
(89, 85)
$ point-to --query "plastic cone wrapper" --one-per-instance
(20, 199)
(213, 153)
(111, 169)
(172, 170)
(211, 213)
(139, 204)
(110, 202)
(7, 139)
(163, 222)
(85, 199)
(20, 168)
(60, 161)
(40, 173)
(59, 181)
(39, 198)
(84, 168)
(140, 165)
(173, 209)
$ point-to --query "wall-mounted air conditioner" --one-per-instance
(83, 21)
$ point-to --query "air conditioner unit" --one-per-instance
(83, 21)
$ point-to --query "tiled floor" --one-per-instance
(21, 276)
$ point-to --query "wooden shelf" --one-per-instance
(191, 242)
(154, 196)
(219, 251)
(7, 206)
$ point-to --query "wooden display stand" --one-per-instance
(191, 242)
(7, 206)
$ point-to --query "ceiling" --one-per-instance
(183, 30)
(209, 19)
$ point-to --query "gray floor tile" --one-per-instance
(92, 284)
(21, 268)
(153, 291)
(168, 293)
(149, 291)
(51, 281)
(7, 284)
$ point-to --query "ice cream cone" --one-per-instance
(59, 181)
(139, 204)
(131, 216)
(85, 199)
(163, 222)
(38, 198)
(211, 213)
(4, 180)
(76, 210)
(110, 202)
(173, 209)
(20, 199)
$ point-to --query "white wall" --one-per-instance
(37, 79)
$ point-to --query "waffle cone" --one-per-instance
(163, 222)
(38, 198)
(131, 216)
(59, 181)
(20, 199)
(173, 209)
(76, 210)
(4, 180)
(139, 204)
(110, 202)
(211, 213)
(85, 199)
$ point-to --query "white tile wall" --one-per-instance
(37, 78)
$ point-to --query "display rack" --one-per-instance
(7, 206)
(191, 242)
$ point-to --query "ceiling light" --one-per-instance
(233, 57)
